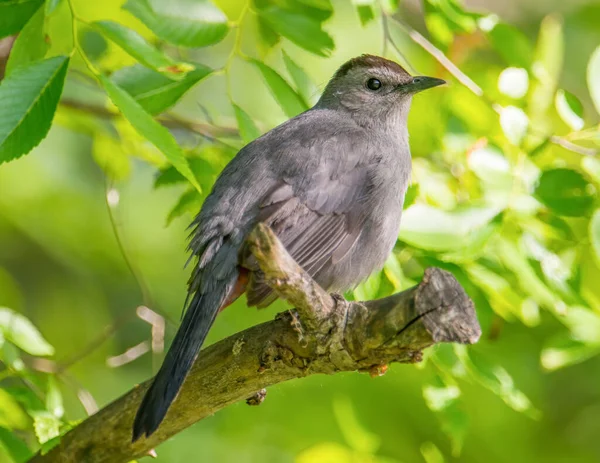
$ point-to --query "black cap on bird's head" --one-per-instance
(371, 82)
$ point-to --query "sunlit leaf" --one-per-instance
(246, 125)
(513, 82)
(594, 233)
(29, 98)
(17, 329)
(152, 90)
(546, 68)
(593, 78)
(570, 109)
(46, 426)
(434, 229)
(54, 402)
(12, 416)
(303, 30)
(514, 259)
(369, 288)
(514, 123)
(134, 44)
(584, 324)
(31, 43)
(501, 294)
(326, 452)
(563, 351)
(304, 84)
(565, 191)
(149, 128)
(291, 103)
(511, 44)
(393, 271)
(189, 23)
(14, 14)
(431, 453)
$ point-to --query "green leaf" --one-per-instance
(14, 14)
(51, 6)
(268, 37)
(248, 129)
(593, 78)
(431, 454)
(594, 232)
(306, 88)
(203, 171)
(153, 91)
(496, 379)
(393, 272)
(12, 415)
(134, 44)
(426, 227)
(291, 103)
(570, 109)
(546, 68)
(304, 31)
(564, 351)
(14, 447)
(444, 400)
(514, 259)
(29, 98)
(22, 333)
(583, 323)
(189, 23)
(147, 127)
(565, 192)
(369, 288)
(46, 426)
(190, 201)
(512, 45)
(30, 44)
(54, 401)
(364, 8)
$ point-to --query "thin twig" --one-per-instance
(212, 132)
(439, 56)
(465, 80)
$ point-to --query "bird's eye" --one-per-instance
(373, 84)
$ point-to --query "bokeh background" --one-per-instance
(88, 235)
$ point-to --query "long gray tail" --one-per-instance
(197, 321)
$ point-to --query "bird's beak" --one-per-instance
(420, 83)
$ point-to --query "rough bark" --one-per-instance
(325, 334)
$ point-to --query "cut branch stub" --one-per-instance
(334, 335)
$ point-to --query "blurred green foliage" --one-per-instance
(139, 105)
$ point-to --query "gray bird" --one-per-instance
(329, 182)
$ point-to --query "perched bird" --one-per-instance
(329, 182)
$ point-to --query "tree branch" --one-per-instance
(170, 121)
(335, 335)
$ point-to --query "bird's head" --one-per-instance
(372, 88)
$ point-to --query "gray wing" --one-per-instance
(317, 222)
